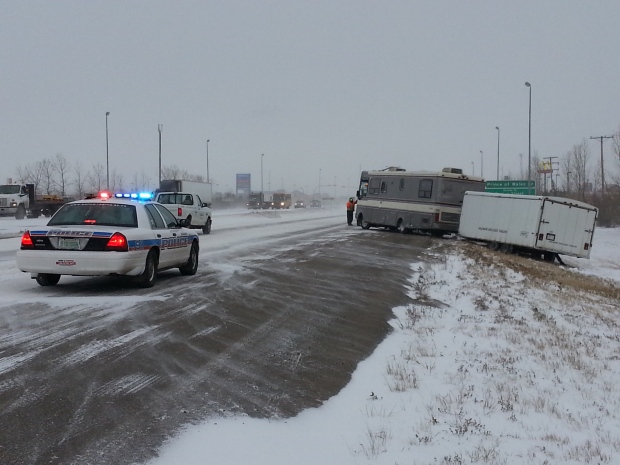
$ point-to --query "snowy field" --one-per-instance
(498, 368)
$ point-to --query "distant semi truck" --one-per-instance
(256, 200)
(542, 226)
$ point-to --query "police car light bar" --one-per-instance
(134, 195)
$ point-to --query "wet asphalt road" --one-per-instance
(261, 332)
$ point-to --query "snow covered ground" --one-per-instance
(498, 360)
(497, 368)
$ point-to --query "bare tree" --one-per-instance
(79, 180)
(579, 157)
(97, 177)
(61, 166)
(172, 172)
(615, 141)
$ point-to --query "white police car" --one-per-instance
(109, 236)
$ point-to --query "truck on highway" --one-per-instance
(256, 200)
(189, 200)
(540, 226)
(20, 200)
(202, 189)
(281, 200)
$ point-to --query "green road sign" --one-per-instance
(511, 187)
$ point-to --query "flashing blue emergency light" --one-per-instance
(139, 196)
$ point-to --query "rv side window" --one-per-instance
(373, 185)
(426, 188)
(383, 187)
(401, 186)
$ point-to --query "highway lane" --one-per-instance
(97, 371)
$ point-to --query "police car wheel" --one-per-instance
(191, 266)
(147, 278)
(46, 279)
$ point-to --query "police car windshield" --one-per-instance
(96, 214)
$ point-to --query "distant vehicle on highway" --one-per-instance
(109, 236)
(315, 203)
(300, 204)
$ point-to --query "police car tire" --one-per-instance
(47, 279)
(191, 266)
(207, 227)
(147, 278)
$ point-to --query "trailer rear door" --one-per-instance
(566, 228)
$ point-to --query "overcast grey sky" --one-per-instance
(321, 88)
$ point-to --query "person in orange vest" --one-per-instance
(350, 208)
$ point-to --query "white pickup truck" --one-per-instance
(189, 206)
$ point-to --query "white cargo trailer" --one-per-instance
(540, 225)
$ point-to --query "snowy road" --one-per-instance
(283, 307)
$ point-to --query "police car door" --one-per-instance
(162, 234)
(176, 242)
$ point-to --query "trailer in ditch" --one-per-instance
(541, 226)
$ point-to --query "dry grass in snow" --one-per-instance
(505, 360)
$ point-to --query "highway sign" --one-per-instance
(511, 187)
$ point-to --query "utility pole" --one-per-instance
(602, 170)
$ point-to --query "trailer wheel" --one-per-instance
(20, 213)
(506, 248)
(365, 224)
(493, 245)
(549, 256)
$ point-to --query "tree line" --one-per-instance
(60, 177)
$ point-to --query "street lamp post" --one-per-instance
(107, 154)
(481, 165)
(497, 127)
(261, 172)
(207, 160)
(473, 168)
(529, 138)
(160, 128)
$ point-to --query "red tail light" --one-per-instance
(117, 242)
(27, 241)
(180, 212)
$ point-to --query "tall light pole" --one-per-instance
(529, 139)
(481, 164)
(472, 169)
(207, 160)
(107, 154)
(497, 127)
(160, 128)
(319, 183)
(261, 172)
